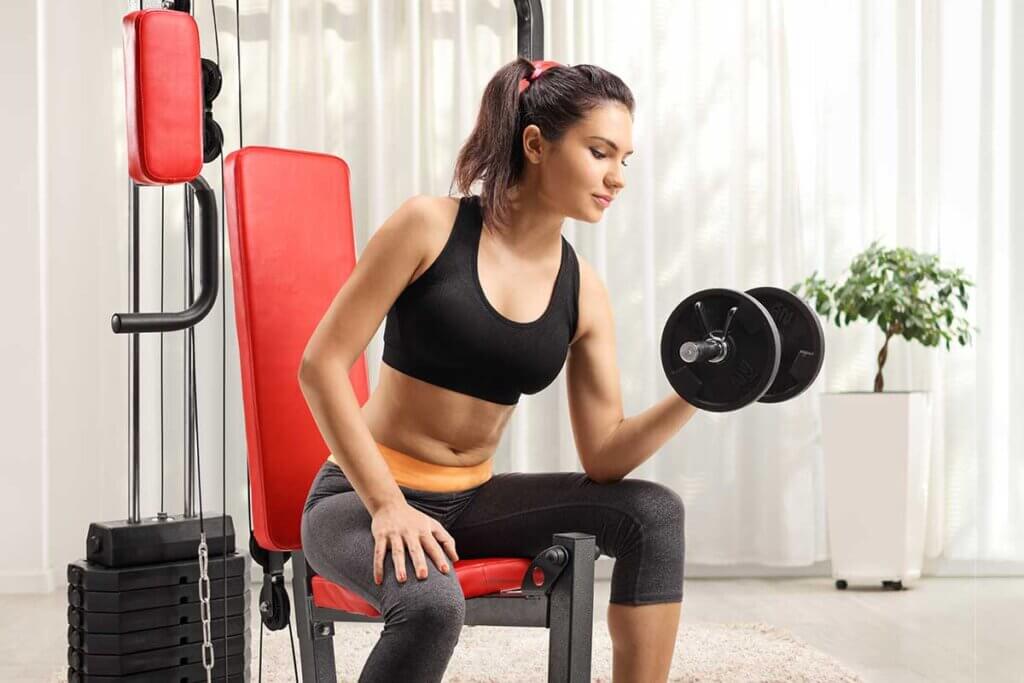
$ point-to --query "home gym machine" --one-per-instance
(164, 598)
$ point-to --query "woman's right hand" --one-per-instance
(402, 527)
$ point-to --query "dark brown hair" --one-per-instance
(560, 97)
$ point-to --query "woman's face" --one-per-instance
(581, 174)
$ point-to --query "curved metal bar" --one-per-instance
(530, 29)
(130, 323)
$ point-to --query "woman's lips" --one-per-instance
(603, 201)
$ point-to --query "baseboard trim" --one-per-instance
(12, 583)
(22, 583)
(970, 568)
(17, 583)
(939, 568)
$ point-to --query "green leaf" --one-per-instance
(902, 291)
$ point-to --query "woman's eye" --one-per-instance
(599, 155)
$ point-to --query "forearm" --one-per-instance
(638, 437)
(336, 412)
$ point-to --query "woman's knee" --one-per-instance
(652, 569)
(659, 518)
(654, 505)
(434, 605)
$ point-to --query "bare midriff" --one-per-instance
(432, 438)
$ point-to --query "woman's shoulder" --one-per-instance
(436, 213)
(435, 219)
(432, 205)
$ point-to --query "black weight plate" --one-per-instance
(803, 342)
(146, 598)
(91, 576)
(236, 668)
(151, 639)
(123, 622)
(752, 360)
(148, 660)
(122, 543)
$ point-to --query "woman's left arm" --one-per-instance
(609, 445)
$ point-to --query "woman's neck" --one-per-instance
(533, 229)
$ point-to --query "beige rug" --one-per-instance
(704, 652)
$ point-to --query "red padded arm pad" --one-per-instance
(163, 92)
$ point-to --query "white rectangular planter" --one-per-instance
(877, 448)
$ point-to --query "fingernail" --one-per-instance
(444, 568)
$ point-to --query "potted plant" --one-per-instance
(877, 444)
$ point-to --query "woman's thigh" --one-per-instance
(338, 543)
(337, 540)
(638, 522)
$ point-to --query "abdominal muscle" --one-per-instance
(432, 424)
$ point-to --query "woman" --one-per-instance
(485, 300)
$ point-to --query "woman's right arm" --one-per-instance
(385, 268)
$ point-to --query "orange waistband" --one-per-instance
(417, 474)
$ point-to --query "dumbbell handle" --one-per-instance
(711, 350)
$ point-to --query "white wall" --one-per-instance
(64, 370)
(23, 486)
(85, 183)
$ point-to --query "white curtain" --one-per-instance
(772, 139)
(904, 130)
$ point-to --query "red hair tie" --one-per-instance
(539, 67)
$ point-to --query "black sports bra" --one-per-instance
(442, 329)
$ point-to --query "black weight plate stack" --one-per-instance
(803, 342)
(753, 350)
(143, 623)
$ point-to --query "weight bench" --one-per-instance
(290, 228)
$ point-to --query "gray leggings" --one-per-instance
(638, 522)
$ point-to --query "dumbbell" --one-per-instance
(723, 349)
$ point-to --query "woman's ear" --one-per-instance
(533, 144)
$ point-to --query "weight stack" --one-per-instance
(143, 622)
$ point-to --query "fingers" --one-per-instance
(446, 540)
(437, 544)
(398, 556)
(415, 534)
(379, 549)
(398, 552)
(435, 552)
(427, 542)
